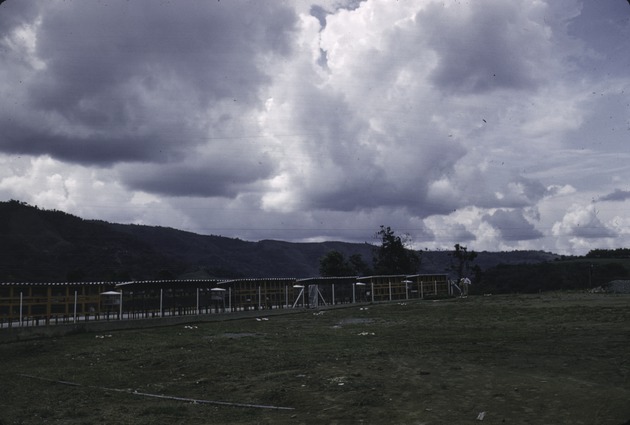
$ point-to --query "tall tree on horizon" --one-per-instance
(462, 260)
(394, 256)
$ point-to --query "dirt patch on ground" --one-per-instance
(354, 321)
(237, 335)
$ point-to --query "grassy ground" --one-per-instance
(548, 359)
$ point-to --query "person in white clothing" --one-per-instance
(463, 285)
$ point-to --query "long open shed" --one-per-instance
(24, 303)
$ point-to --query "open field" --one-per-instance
(560, 358)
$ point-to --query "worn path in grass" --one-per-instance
(545, 359)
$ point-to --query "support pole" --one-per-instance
(75, 306)
(301, 294)
(372, 292)
(197, 301)
(120, 306)
(390, 290)
(161, 301)
(20, 308)
(354, 285)
(333, 294)
(321, 297)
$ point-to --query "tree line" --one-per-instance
(394, 256)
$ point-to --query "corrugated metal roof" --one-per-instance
(212, 281)
(180, 282)
(328, 277)
(54, 283)
(259, 279)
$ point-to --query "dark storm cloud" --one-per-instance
(96, 147)
(512, 225)
(14, 13)
(204, 176)
(319, 13)
(480, 49)
(617, 195)
(211, 46)
(141, 73)
(604, 28)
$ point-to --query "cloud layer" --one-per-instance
(499, 125)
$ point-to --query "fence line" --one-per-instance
(27, 305)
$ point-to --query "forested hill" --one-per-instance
(52, 246)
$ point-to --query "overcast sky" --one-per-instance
(495, 124)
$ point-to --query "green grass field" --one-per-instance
(559, 358)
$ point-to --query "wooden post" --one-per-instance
(48, 300)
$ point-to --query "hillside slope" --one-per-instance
(42, 245)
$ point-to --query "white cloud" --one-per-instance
(582, 222)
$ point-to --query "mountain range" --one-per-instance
(40, 245)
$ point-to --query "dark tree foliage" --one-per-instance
(462, 260)
(165, 274)
(393, 256)
(609, 253)
(552, 276)
(361, 268)
(334, 263)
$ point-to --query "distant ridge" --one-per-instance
(52, 246)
